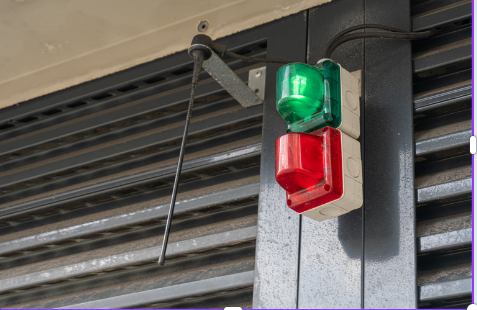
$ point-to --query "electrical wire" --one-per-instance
(359, 27)
(344, 36)
(366, 26)
(401, 35)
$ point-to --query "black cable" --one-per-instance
(256, 59)
(359, 27)
(401, 35)
(366, 26)
(198, 56)
(342, 37)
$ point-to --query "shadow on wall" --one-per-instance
(384, 244)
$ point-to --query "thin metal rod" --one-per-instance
(198, 56)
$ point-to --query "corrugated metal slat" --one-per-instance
(85, 186)
(443, 125)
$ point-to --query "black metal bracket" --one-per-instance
(219, 70)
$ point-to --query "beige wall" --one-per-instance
(47, 45)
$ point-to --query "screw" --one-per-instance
(258, 73)
(203, 25)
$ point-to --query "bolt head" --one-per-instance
(203, 25)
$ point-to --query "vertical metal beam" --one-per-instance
(276, 263)
(331, 251)
(389, 218)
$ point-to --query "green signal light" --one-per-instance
(309, 97)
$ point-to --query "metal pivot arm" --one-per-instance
(204, 56)
(219, 70)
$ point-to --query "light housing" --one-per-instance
(321, 172)
(312, 97)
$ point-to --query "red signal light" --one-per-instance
(301, 164)
(321, 172)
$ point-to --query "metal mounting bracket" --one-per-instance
(247, 97)
(256, 81)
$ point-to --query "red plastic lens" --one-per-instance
(309, 168)
(300, 161)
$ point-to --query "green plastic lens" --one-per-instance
(308, 97)
(300, 92)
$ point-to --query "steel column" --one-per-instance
(389, 200)
(276, 265)
(331, 251)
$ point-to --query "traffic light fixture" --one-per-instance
(318, 162)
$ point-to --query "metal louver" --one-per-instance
(85, 182)
(443, 125)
